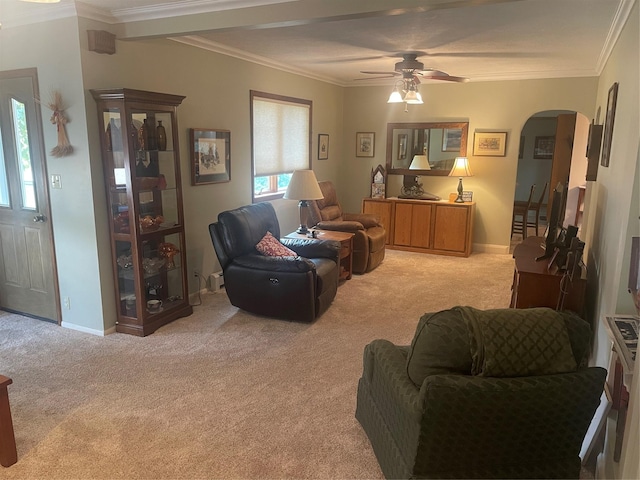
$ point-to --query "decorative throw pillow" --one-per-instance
(270, 246)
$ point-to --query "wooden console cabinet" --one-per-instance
(426, 226)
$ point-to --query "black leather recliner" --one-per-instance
(290, 288)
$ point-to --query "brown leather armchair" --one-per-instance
(369, 235)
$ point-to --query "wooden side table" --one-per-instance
(346, 248)
(8, 452)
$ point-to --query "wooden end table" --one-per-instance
(346, 248)
(8, 454)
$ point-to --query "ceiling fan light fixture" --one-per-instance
(395, 97)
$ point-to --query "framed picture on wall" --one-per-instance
(608, 124)
(323, 146)
(490, 144)
(365, 144)
(543, 147)
(210, 156)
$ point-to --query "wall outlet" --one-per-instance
(67, 303)
(216, 280)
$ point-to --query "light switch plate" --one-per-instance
(56, 181)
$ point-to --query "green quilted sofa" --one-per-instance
(500, 393)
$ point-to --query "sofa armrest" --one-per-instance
(368, 220)
(385, 368)
(340, 226)
(274, 264)
(313, 248)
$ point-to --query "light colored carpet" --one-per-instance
(222, 393)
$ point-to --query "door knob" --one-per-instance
(40, 218)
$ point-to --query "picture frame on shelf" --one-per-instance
(467, 196)
(210, 156)
(365, 144)
(543, 147)
(323, 146)
(451, 138)
(490, 144)
(612, 99)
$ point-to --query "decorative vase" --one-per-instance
(143, 136)
(107, 136)
(135, 137)
(161, 135)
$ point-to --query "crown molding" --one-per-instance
(619, 21)
(200, 42)
(44, 13)
(184, 7)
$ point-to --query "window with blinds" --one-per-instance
(281, 142)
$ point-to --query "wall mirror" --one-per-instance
(438, 144)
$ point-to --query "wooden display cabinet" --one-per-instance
(140, 154)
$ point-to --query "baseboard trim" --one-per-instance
(92, 331)
(488, 248)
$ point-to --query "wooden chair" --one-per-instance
(520, 214)
(535, 208)
(8, 453)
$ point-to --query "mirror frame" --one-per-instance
(464, 126)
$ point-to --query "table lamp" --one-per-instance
(460, 169)
(303, 186)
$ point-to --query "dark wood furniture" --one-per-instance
(140, 154)
(425, 226)
(623, 332)
(536, 284)
(346, 248)
(520, 215)
(8, 452)
(535, 209)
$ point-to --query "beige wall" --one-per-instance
(217, 97)
(614, 212)
(488, 106)
(53, 47)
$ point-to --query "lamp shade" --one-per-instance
(420, 162)
(303, 186)
(461, 168)
(395, 97)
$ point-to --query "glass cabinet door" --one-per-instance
(140, 156)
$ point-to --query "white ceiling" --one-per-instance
(334, 40)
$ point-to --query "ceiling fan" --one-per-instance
(411, 69)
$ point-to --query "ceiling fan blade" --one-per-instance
(395, 74)
(447, 78)
(374, 78)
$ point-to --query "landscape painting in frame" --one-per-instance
(490, 144)
(210, 156)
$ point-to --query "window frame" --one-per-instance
(273, 179)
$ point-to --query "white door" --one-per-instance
(28, 281)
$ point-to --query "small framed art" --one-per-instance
(543, 147)
(323, 146)
(608, 124)
(210, 156)
(490, 144)
(365, 144)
